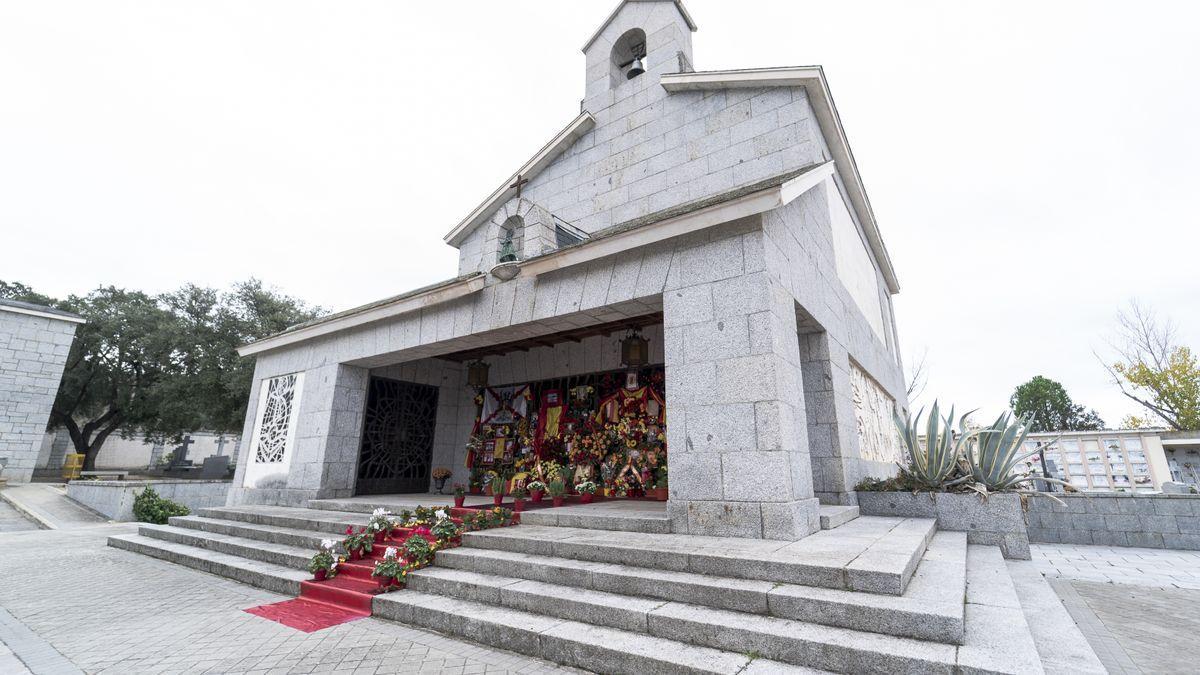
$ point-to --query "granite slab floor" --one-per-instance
(70, 603)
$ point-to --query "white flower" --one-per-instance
(328, 544)
(389, 553)
(441, 514)
(334, 565)
(379, 512)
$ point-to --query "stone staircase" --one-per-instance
(609, 590)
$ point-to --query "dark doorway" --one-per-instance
(397, 439)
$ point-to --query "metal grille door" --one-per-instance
(397, 440)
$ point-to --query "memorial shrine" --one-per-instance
(683, 295)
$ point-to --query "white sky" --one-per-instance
(1031, 164)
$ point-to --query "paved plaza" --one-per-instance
(70, 604)
(1138, 607)
(79, 605)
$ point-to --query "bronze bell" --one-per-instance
(636, 67)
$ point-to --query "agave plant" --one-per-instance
(995, 456)
(934, 464)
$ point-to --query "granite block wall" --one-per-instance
(33, 353)
(1117, 519)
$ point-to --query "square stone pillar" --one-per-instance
(323, 459)
(738, 452)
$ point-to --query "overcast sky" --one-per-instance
(1033, 165)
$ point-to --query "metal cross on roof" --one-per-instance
(518, 183)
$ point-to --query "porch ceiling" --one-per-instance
(522, 337)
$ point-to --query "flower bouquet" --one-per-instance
(380, 524)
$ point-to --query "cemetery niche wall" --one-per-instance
(606, 428)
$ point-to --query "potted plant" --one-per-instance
(390, 569)
(475, 482)
(418, 550)
(379, 524)
(660, 484)
(557, 489)
(324, 564)
(358, 544)
(518, 495)
(536, 489)
(587, 491)
(496, 485)
(460, 495)
(445, 529)
(440, 475)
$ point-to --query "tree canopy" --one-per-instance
(1155, 371)
(1050, 407)
(161, 366)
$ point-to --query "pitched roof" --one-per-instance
(678, 5)
(812, 78)
(30, 308)
(766, 193)
(549, 152)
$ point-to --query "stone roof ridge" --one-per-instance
(613, 15)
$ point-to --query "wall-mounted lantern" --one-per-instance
(635, 350)
(477, 374)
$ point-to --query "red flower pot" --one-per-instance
(518, 505)
(558, 501)
(397, 583)
(586, 498)
(379, 537)
(660, 494)
(535, 495)
(319, 575)
(498, 499)
(476, 490)
(384, 582)
(356, 554)
(458, 501)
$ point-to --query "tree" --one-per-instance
(1050, 407)
(161, 366)
(1155, 371)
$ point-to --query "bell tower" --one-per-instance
(639, 41)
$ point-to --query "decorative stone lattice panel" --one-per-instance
(276, 420)
(873, 410)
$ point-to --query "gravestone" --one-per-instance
(179, 454)
(215, 467)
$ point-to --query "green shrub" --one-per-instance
(149, 507)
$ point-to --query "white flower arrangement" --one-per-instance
(441, 514)
(328, 544)
(390, 553)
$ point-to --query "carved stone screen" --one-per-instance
(274, 432)
(397, 439)
(873, 408)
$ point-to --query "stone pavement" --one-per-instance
(110, 611)
(48, 505)
(1158, 568)
(1139, 608)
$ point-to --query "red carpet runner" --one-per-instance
(345, 597)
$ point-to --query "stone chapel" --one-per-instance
(684, 288)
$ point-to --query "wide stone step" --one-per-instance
(871, 554)
(393, 503)
(570, 643)
(292, 557)
(930, 609)
(835, 516)
(263, 575)
(315, 520)
(616, 515)
(266, 533)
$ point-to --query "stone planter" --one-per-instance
(998, 521)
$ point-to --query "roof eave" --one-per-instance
(549, 152)
(812, 78)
